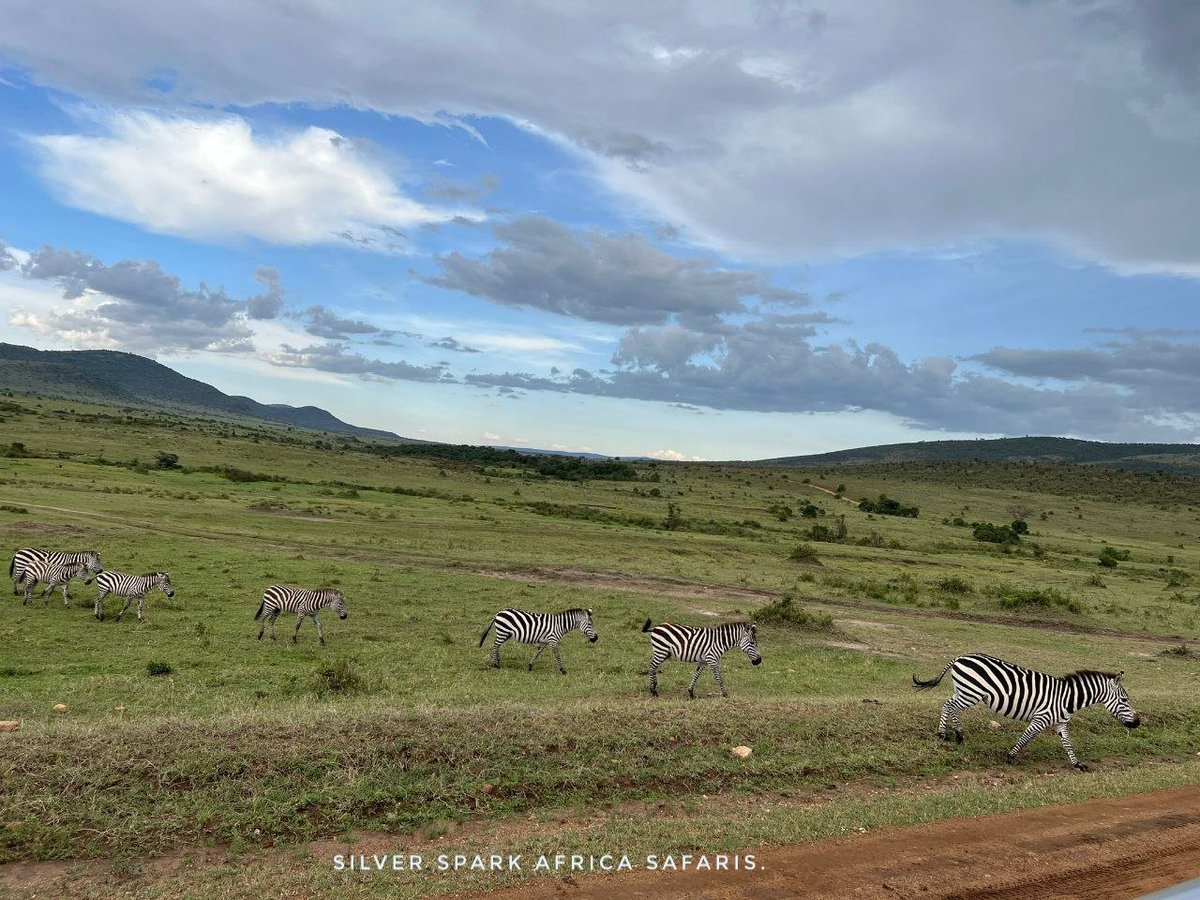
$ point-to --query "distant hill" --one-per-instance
(125, 379)
(1178, 458)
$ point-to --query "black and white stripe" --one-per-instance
(702, 645)
(1044, 701)
(131, 587)
(21, 560)
(53, 575)
(543, 629)
(301, 601)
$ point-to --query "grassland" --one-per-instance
(269, 754)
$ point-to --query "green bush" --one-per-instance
(805, 553)
(1044, 598)
(886, 506)
(157, 668)
(786, 614)
(954, 585)
(1110, 556)
(994, 534)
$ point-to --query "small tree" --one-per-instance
(673, 521)
(163, 460)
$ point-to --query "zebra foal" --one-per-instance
(53, 575)
(26, 556)
(702, 645)
(131, 587)
(1044, 701)
(543, 629)
(304, 603)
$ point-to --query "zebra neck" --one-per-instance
(1081, 693)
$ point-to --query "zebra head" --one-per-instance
(1116, 701)
(91, 564)
(585, 625)
(164, 582)
(339, 602)
(748, 642)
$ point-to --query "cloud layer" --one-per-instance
(781, 131)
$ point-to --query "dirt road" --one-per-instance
(1099, 850)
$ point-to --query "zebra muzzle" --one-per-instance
(756, 662)
(1133, 723)
(593, 639)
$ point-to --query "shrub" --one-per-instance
(780, 511)
(786, 614)
(1045, 598)
(340, 676)
(886, 506)
(157, 668)
(805, 553)
(1019, 526)
(811, 511)
(166, 460)
(1110, 556)
(954, 585)
(994, 534)
(674, 520)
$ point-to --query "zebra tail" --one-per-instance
(646, 627)
(926, 685)
(261, 607)
(483, 636)
(12, 567)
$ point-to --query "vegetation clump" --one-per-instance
(157, 669)
(341, 676)
(1044, 598)
(786, 614)
(994, 534)
(1110, 556)
(805, 553)
(886, 506)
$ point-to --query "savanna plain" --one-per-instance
(193, 759)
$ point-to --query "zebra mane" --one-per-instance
(567, 612)
(1080, 674)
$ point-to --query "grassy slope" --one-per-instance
(246, 745)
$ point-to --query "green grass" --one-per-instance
(185, 731)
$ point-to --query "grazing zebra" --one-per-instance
(53, 575)
(279, 598)
(543, 629)
(1044, 701)
(131, 587)
(702, 645)
(23, 557)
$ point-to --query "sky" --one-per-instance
(706, 230)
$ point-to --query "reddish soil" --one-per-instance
(1099, 850)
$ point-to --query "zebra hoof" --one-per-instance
(562, 671)
(958, 737)
(1081, 767)
(1012, 759)
(942, 736)
(528, 668)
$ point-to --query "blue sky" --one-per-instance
(693, 230)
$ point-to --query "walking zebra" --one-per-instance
(131, 587)
(702, 645)
(280, 598)
(53, 575)
(1044, 701)
(23, 557)
(543, 629)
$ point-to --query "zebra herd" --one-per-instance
(31, 566)
(1044, 701)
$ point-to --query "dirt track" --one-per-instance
(1099, 850)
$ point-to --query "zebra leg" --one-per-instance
(536, 654)
(299, 622)
(274, 616)
(715, 668)
(950, 711)
(1036, 727)
(320, 630)
(495, 660)
(124, 608)
(28, 593)
(1065, 737)
(141, 599)
(558, 658)
(100, 605)
(66, 596)
(263, 626)
(656, 662)
(695, 678)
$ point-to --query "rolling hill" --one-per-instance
(1177, 458)
(109, 376)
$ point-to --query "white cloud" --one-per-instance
(772, 130)
(673, 456)
(491, 436)
(215, 179)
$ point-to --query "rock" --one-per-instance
(60, 707)
(488, 788)
(9, 725)
(743, 751)
(994, 724)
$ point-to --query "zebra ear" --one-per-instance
(1119, 675)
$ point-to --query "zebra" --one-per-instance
(702, 645)
(280, 598)
(23, 557)
(543, 629)
(131, 587)
(53, 575)
(1044, 701)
